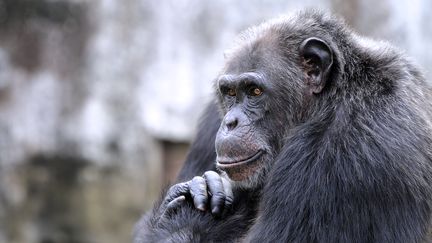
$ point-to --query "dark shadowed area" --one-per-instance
(99, 100)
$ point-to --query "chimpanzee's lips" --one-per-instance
(252, 158)
(239, 169)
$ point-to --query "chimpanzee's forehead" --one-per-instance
(244, 61)
(263, 52)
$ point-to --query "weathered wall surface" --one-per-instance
(98, 99)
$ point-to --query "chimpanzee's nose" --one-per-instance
(231, 121)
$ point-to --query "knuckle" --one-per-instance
(173, 188)
(177, 187)
(183, 185)
(210, 173)
(197, 179)
(201, 194)
(219, 195)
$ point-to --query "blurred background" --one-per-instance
(99, 100)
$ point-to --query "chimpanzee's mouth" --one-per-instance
(252, 158)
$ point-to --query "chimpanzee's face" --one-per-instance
(264, 92)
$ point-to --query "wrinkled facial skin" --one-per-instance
(262, 95)
(244, 141)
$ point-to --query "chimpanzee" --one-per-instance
(319, 135)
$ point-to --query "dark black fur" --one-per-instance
(356, 162)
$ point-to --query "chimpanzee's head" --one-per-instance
(268, 83)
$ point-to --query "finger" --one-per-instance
(229, 195)
(215, 187)
(177, 190)
(198, 191)
(174, 204)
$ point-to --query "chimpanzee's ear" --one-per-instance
(317, 63)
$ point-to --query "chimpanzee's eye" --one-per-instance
(255, 91)
(231, 92)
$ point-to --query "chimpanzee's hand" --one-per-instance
(211, 191)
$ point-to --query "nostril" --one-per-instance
(231, 123)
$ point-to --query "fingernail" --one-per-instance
(215, 210)
(201, 207)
